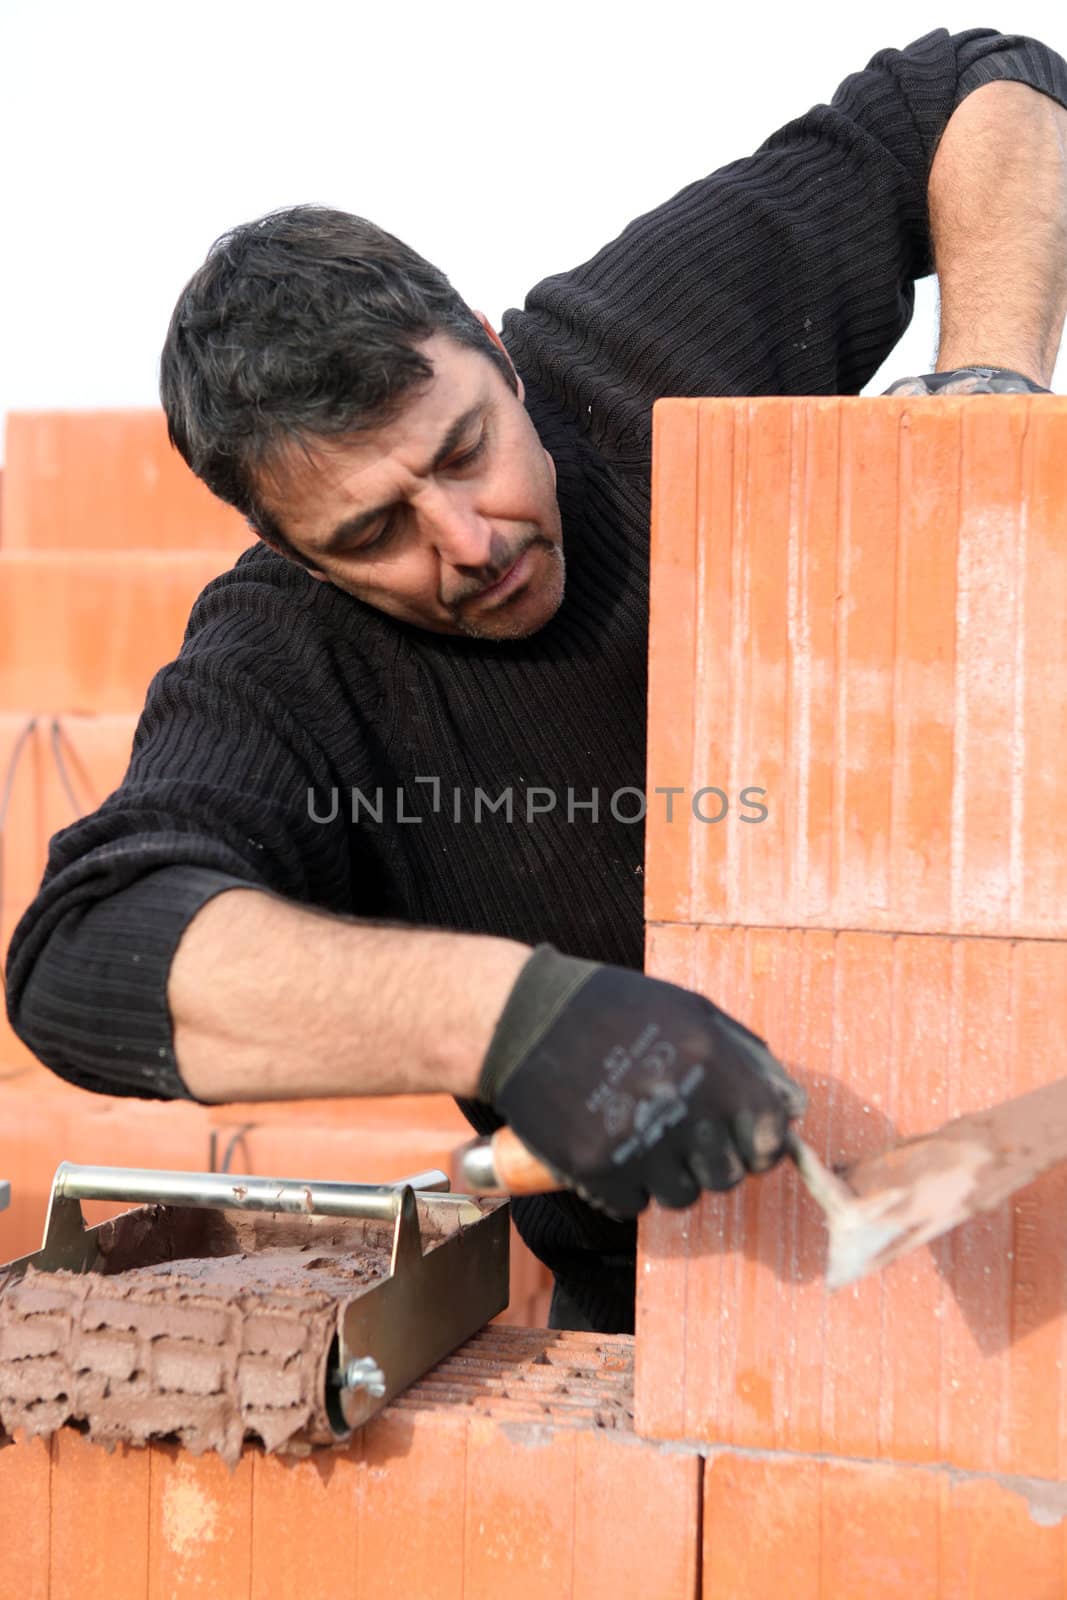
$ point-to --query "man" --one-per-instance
(378, 833)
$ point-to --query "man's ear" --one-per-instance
(491, 331)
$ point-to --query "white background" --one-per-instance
(502, 142)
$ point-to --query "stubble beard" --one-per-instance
(498, 626)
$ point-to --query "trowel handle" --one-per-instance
(502, 1164)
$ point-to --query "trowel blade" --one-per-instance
(881, 1207)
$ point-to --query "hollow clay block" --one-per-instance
(210, 1350)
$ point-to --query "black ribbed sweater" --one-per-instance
(789, 272)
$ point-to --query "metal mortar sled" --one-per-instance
(448, 1257)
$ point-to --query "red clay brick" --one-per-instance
(520, 1498)
(954, 1354)
(789, 1525)
(99, 1551)
(761, 1535)
(871, 633)
(628, 1543)
(857, 605)
(313, 1552)
(411, 1537)
(106, 480)
(56, 609)
(26, 1492)
(199, 1525)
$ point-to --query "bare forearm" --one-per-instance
(998, 217)
(270, 1001)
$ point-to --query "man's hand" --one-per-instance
(631, 1088)
(968, 380)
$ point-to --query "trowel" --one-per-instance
(881, 1206)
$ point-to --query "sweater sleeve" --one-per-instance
(216, 797)
(788, 272)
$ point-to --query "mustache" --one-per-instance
(502, 557)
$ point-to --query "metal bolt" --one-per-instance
(363, 1372)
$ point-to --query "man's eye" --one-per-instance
(469, 456)
(380, 539)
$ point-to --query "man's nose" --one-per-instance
(458, 532)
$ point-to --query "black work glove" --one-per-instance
(628, 1087)
(968, 380)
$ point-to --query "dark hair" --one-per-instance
(301, 325)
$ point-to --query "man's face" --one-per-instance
(445, 517)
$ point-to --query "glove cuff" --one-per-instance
(1002, 374)
(1008, 381)
(544, 986)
